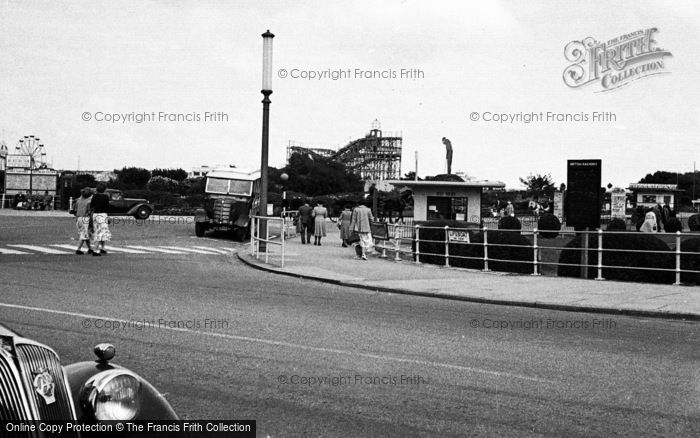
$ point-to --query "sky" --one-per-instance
(66, 67)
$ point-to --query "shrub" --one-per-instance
(618, 224)
(631, 241)
(509, 223)
(551, 223)
(512, 256)
(673, 224)
(694, 222)
(438, 236)
(690, 262)
(162, 184)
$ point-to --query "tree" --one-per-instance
(130, 178)
(315, 175)
(538, 185)
(176, 174)
(410, 176)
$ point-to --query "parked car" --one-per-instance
(35, 386)
(121, 206)
(231, 198)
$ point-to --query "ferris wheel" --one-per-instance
(32, 146)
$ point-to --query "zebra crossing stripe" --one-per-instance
(198, 251)
(129, 251)
(11, 251)
(40, 249)
(109, 248)
(153, 248)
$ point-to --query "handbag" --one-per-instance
(354, 237)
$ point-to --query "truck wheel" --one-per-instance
(143, 213)
(241, 234)
(199, 229)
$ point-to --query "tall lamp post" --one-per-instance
(266, 91)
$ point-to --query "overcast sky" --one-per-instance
(63, 59)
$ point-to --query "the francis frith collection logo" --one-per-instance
(616, 62)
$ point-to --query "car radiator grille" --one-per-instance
(13, 403)
(33, 358)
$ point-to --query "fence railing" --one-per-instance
(266, 233)
(472, 247)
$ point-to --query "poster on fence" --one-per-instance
(618, 202)
(458, 236)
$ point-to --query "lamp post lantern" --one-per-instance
(266, 91)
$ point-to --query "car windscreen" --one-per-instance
(229, 186)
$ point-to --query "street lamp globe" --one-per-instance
(267, 61)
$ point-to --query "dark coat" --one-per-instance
(305, 214)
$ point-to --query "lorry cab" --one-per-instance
(232, 197)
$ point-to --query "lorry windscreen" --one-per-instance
(229, 186)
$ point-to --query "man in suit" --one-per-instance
(305, 222)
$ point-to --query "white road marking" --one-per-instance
(109, 248)
(270, 342)
(198, 251)
(152, 248)
(40, 249)
(11, 251)
(208, 248)
(129, 251)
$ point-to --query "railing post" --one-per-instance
(257, 240)
(283, 225)
(486, 249)
(678, 258)
(600, 255)
(447, 246)
(252, 235)
(417, 244)
(267, 240)
(397, 243)
(535, 253)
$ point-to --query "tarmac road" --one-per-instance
(302, 357)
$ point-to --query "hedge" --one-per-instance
(694, 222)
(551, 223)
(522, 252)
(509, 223)
(672, 225)
(627, 241)
(690, 262)
(617, 224)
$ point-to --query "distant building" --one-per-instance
(201, 171)
(100, 175)
(3, 156)
(648, 195)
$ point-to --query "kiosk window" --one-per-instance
(447, 208)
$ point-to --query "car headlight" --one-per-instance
(112, 395)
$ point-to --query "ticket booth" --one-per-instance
(447, 200)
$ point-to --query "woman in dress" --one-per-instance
(319, 214)
(82, 212)
(100, 208)
(344, 225)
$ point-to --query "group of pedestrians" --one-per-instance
(312, 221)
(354, 226)
(655, 218)
(92, 221)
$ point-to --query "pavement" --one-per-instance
(334, 264)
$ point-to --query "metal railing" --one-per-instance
(267, 232)
(591, 251)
